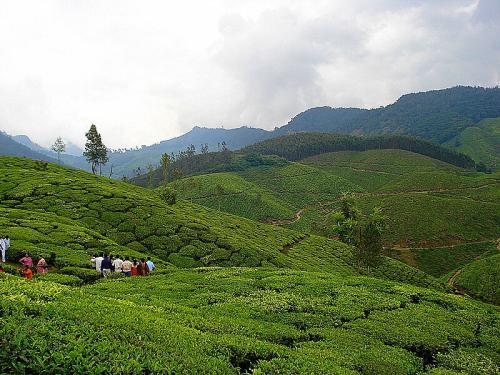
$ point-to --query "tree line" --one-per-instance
(302, 145)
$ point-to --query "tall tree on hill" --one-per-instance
(150, 175)
(219, 193)
(58, 147)
(95, 152)
(165, 165)
(368, 252)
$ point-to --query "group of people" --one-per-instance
(4, 246)
(27, 266)
(106, 264)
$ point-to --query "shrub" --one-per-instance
(63, 279)
(88, 275)
(167, 194)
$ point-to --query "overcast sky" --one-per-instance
(144, 71)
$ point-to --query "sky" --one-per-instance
(145, 71)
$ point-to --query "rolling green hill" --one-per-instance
(283, 302)
(131, 220)
(427, 202)
(481, 278)
(481, 142)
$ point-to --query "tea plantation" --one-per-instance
(244, 320)
(428, 203)
(230, 295)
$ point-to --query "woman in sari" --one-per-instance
(41, 266)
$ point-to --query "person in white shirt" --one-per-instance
(117, 263)
(98, 260)
(3, 248)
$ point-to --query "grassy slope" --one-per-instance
(481, 278)
(481, 142)
(265, 192)
(428, 202)
(185, 234)
(230, 321)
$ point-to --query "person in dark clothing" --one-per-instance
(140, 268)
(106, 266)
(145, 267)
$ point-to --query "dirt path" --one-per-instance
(451, 281)
(296, 217)
(288, 247)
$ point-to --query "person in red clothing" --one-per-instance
(134, 268)
(140, 268)
(27, 273)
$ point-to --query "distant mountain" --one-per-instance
(124, 163)
(8, 146)
(437, 115)
(26, 141)
(71, 148)
(321, 119)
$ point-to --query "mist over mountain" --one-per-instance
(11, 147)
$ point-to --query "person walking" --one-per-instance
(150, 264)
(118, 264)
(42, 266)
(127, 267)
(134, 268)
(3, 248)
(98, 261)
(141, 271)
(106, 266)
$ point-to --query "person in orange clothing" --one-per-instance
(134, 268)
(27, 273)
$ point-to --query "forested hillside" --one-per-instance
(437, 115)
(302, 145)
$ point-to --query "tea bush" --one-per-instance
(243, 320)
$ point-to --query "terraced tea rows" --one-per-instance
(228, 321)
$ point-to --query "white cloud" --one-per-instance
(149, 70)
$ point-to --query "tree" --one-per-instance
(219, 192)
(95, 152)
(59, 146)
(368, 252)
(204, 148)
(165, 165)
(178, 173)
(150, 175)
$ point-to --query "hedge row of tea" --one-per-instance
(236, 320)
(43, 234)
